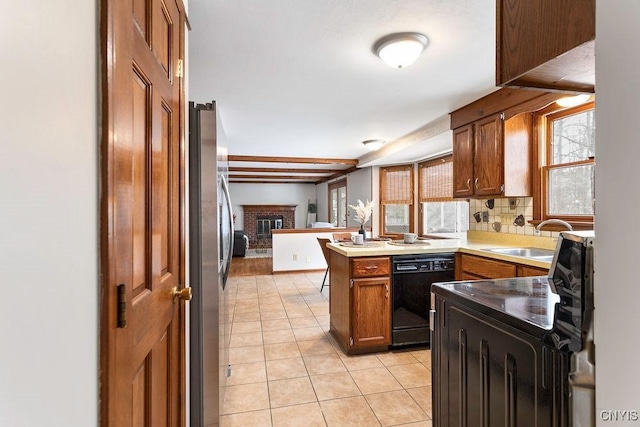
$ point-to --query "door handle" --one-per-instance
(184, 294)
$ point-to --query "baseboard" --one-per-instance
(298, 271)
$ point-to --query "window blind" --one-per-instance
(396, 185)
(436, 180)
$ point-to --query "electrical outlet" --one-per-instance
(295, 257)
(485, 216)
(307, 260)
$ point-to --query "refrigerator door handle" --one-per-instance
(227, 257)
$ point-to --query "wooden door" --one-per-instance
(488, 157)
(463, 161)
(371, 325)
(142, 328)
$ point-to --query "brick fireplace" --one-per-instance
(260, 219)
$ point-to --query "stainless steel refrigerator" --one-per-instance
(210, 252)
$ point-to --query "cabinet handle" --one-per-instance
(371, 267)
(511, 391)
(386, 288)
(476, 183)
(468, 183)
(485, 375)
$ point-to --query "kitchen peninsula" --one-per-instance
(361, 298)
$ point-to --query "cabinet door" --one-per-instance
(546, 44)
(371, 322)
(488, 157)
(463, 161)
(495, 375)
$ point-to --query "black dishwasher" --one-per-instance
(412, 279)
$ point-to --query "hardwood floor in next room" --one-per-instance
(288, 370)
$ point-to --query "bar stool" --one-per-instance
(327, 256)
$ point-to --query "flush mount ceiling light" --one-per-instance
(400, 50)
(573, 101)
(373, 144)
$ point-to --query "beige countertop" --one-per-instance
(475, 243)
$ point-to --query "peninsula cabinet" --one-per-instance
(492, 156)
(359, 302)
(546, 44)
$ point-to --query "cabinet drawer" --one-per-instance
(527, 271)
(370, 267)
(487, 268)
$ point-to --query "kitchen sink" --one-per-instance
(535, 253)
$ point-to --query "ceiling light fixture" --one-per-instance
(573, 101)
(373, 144)
(400, 50)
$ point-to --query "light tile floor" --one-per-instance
(287, 370)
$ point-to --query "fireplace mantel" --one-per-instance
(269, 207)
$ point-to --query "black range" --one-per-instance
(526, 303)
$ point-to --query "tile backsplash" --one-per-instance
(504, 211)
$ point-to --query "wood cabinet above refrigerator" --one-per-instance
(546, 44)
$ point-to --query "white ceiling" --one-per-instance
(298, 78)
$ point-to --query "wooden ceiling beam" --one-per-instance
(303, 177)
(305, 160)
(283, 170)
(271, 182)
(337, 175)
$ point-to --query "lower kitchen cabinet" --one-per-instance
(371, 323)
(527, 270)
(486, 373)
(473, 267)
(360, 302)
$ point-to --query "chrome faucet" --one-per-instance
(553, 221)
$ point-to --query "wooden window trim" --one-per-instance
(542, 158)
(334, 186)
(425, 164)
(381, 203)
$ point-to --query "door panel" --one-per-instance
(463, 161)
(488, 157)
(371, 312)
(142, 362)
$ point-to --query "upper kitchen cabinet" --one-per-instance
(491, 157)
(546, 44)
(492, 143)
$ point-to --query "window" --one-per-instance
(439, 213)
(338, 203)
(396, 199)
(567, 176)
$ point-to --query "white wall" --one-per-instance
(617, 234)
(49, 214)
(299, 251)
(272, 194)
(322, 196)
(358, 187)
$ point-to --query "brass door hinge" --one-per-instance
(351, 283)
(351, 341)
(180, 70)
